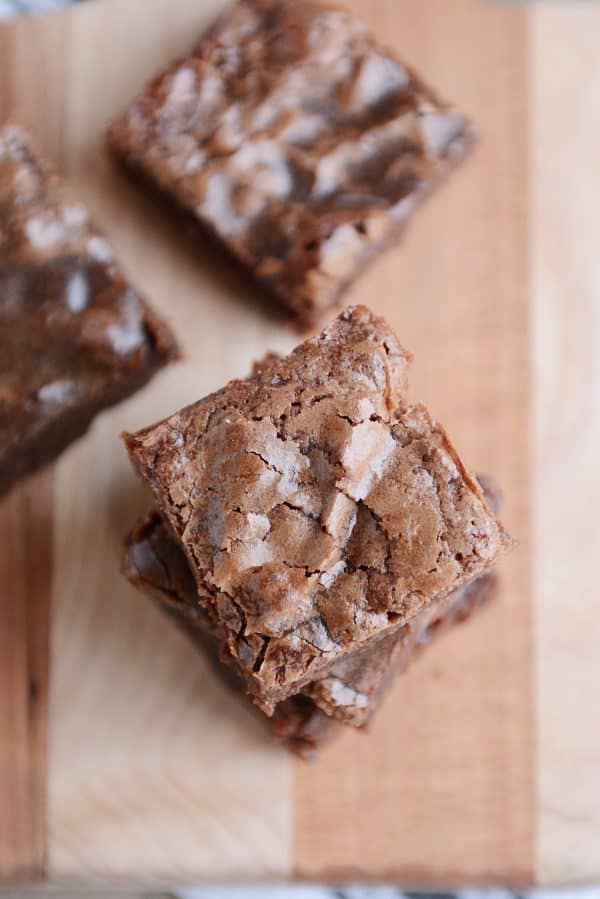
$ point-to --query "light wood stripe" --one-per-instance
(442, 790)
(565, 71)
(158, 773)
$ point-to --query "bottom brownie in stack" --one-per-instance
(349, 693)
(315, 526)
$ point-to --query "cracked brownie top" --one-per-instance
(297, 139)
(317, 511)
(74, 333)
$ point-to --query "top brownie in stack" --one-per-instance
(317, 509)
(75, 336)
(297, 140)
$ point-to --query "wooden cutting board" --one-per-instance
(122, 759)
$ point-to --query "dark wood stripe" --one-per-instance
(26, 525)
(25, 594)
(5, 72)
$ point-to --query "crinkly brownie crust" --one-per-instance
(158, 568)
(297, 140)
(316, 512)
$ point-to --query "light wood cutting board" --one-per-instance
(122, 759)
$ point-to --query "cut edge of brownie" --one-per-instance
(301, 316)
(58, 435)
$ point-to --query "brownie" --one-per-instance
(351, 692)
(75, 336)
(302, 727)
(155, 565)
(297, 140)
(318, 510)
(353, 689)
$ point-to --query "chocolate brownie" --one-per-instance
(297, 140)
(154, 563)
(75, 336)
(353, 690)
(302, 727)
(318, 511)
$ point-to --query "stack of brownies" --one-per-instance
(313, 527)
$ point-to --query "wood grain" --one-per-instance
(25, 567)
(174, 779)
(565, 293)
(26, 529)
(481, 766)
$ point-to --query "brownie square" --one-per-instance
(75, 336)
(297, 140)
(317, 510)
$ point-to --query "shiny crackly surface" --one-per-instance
(297, 139)
(352, 689)
(156, 565)
(72, 330)
(315, 511)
